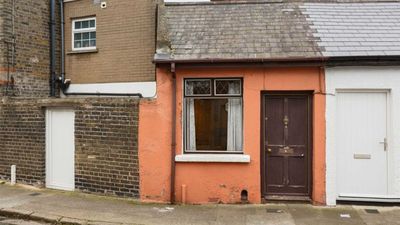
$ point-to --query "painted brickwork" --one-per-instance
(125, 42)
(106, 131)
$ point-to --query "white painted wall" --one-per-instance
(147, 89)
(367, 78)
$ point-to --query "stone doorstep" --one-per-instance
(48, 218)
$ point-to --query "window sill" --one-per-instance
(83, 51)
(223, 158)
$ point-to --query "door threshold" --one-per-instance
(380, 199)
(286, 198)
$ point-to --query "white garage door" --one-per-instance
(362, 164)
(60, 149)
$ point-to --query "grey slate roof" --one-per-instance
(278, 30)
(358, 29)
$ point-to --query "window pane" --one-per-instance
(92, 23)
(85, 44)
(208, 131)
(92, 35)
(93, 43)
(85, 24)
(77, 25)
(227, 87)
(85, 35)
(214, 124)
(198, 87)
(77, 44)
(78, 37)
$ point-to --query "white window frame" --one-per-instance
(84, 30)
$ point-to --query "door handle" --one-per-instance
(269, 150)
(385, 144)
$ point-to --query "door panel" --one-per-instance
(297, 113)
(275, 115)
(60, 149)
(360, 134)
(287, 132)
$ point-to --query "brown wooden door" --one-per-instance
(287, 144)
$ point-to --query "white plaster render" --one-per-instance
(147, 89)
(363, 78)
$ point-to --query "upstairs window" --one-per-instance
(84, 34)
(213, 115)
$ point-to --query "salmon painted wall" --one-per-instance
(221, 182)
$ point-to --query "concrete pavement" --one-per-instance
(8, 221)
(58, 207)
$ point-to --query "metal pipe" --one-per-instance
(13, 34)
(173, 134)
(62, 41)
(8, 68)
(52, 49)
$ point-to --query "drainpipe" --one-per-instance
(52, 48)
(61, 2)
(8, 68)
(173, 133)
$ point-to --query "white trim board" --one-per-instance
(364, 79)
(147, 89)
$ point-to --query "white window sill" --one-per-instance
(83, 51)
(223, 158)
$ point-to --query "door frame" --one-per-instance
(389, 172)
(48, 152)
(308, 196)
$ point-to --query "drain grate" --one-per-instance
(34, 194)
(372, 211)
(275, 211)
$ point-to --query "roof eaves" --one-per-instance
(223, 2)
(161, 60)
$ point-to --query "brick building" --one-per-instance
(102, 141)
